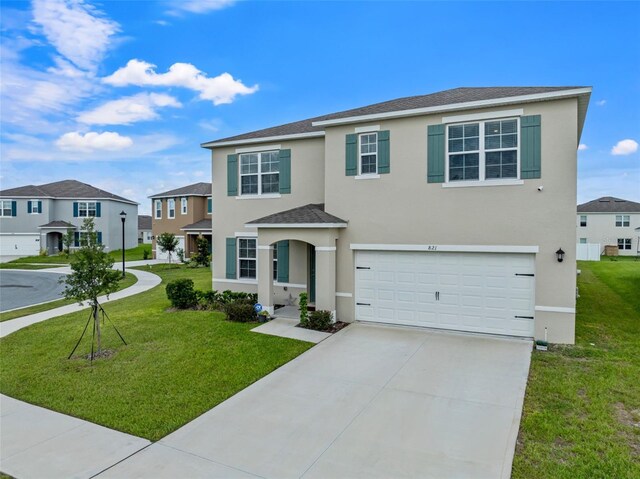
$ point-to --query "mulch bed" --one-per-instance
(335, 327)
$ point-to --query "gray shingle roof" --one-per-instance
(308, 214)
(609, 204)
(62, 189)
(446, 97)
(57, 224)
(144, 222)
(198, 225)
(196, 189)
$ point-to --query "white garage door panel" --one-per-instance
(164, 255)
(19, 245)
(480, 292)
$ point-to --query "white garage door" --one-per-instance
(480, 292)
(174, 256)
(19, 245)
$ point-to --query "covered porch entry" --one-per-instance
(52, 235)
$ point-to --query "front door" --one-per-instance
(312, 274)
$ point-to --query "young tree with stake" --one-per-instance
(167, 242)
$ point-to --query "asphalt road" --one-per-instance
(24, 288)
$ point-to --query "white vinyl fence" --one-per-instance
(588, 251)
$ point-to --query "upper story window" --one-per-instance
(583, 240)
(158, 209)
(86, 209)
(247, 257)
(623, 220)
(368, 153)
(183, 206)
(34, 207)
(171, 208)
(259, 173)
(6, 208)
(484, 150)
(583, 220)
(209, 205)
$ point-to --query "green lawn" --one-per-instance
(124, 283)
(582, 408)
(29, 266)
(133, 254)
(178, 364)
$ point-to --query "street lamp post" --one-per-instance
(123, 217)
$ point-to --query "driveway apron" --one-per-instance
(371, 401)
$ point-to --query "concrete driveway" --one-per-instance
(371, 401)
(25, 288)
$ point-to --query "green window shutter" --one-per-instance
(75, 209)
(98, 209)
(231, 258)
(284, 158)
(351, 155)
(530, 147)
(99, 237)
(232, 175)
(76, 239)
(29, 208)
(209, 205)
(39, 206)
(283, 261)
(435, 154)
(14, 208)
(384, 163)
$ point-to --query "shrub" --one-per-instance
(304, 313)
(181, 293)
(240, 311)
(146, 253)
(319, 320)
(180, 254)
(201, 257)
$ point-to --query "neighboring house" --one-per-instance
(185, 212)
(444, 211)
(144, 229)
(35, 217)
(610, 221)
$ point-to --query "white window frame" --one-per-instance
(240, 259)
(259, 174)
(624, 244)
(84, 206)
(583, 240)
(184, 205)
(585, 221)
(360, 154)
(482, 173)
(2, 208)
(157, 207)
(625, 221)
(34, 207)
(171, 206)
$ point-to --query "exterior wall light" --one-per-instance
(560, 255)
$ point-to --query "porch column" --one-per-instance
(326, 279)
(265, 277)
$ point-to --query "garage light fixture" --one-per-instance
(560, 255)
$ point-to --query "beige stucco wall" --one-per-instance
(196, 211)
(601, 228)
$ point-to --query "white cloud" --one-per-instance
(127, 110)
(109, 141)
(625, 147)
(220, 90)
(582, 147)
(199, 6)
(78, 31)
(601, 102)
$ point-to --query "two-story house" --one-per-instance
(610, 221)
(35, 218)
(186, 212)
(453, 210)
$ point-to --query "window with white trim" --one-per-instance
(624, 243)
(35, 209)
(622, 220)
(259, 173)
(183, 206)
(171, 208)
(247, 262)
(583, 221)
(368, 153)
(86, 209)
(484, 150)
(583, 240)
(5, 208)
(158, 209)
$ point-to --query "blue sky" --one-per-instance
(120, 94)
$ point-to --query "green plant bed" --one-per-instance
(177, 365)
(18, 313)
(582, 405)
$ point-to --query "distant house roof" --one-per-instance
(144, 222)
(196, 189)
(69, 189)
(609, 204)
(311, 214)
(201, 225)
(465, 97)
(57, 224)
